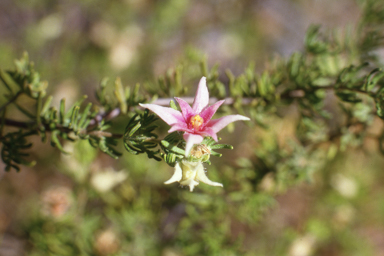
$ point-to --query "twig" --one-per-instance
(189, 100)
(18, 124)
(11, 100)
(299, 93)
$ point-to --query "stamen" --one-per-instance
(196, 122)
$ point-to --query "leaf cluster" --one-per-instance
(331, 65)
(139, 137)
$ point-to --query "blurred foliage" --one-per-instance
(316, 115)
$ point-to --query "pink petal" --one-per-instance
(201, 97)
(179, 127)
(169, 115)
(207, 113)
(191, 139)
(186, 110)
(208, 131)
(218, 124)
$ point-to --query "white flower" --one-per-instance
(189, 173)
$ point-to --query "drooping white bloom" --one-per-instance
(189, 173)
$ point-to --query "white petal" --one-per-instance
(192, 185)
(203, 178)
(176, 177)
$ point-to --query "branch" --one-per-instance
(11, 100)
(300, 93)
(30, 125)
(18, 124)
(189, 100)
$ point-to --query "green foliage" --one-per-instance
(308, 111)
(172, 153)
(12, 152)
(24, 78)
(139, 136)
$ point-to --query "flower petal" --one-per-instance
(191, 139)
(201, 97)
(176, 176)
(179, 127)
(207, 113)
(218, 124)
(192, 185)
(203, 178)
(169, 115)
(208, 131)
(186, 110)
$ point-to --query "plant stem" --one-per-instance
(11, 100)
(299, 93)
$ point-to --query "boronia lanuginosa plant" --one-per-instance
(345, 64)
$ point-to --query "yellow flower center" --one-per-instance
(196, 122)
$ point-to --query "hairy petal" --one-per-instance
(189, 174)
(208, 131)
(218, 124)
(201, 176)
(189, 182)
(207, 113)
(191, 139)
(169, 115)
(192, 185)
(201, 97)
(179, 127)
(185, 109)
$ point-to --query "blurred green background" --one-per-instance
(89, 204)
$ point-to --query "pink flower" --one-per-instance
(195, 122)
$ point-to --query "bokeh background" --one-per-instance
(89, 204)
